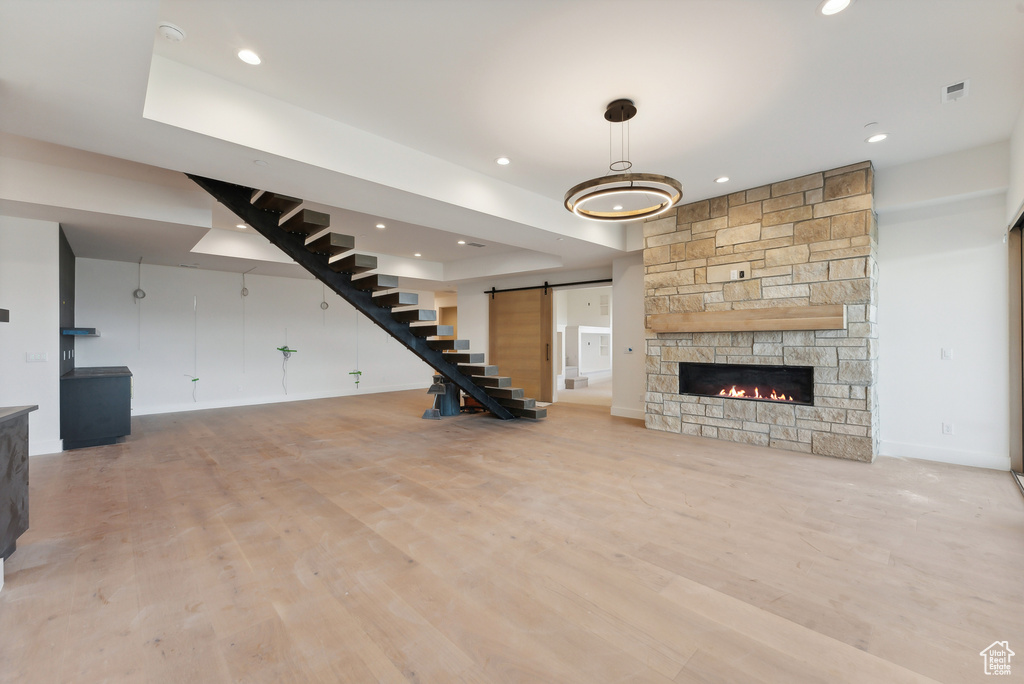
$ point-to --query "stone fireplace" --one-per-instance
(783, 275)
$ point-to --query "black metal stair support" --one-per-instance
(237, 199)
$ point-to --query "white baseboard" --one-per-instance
(976, 459)
(627, 412)
(38, 447)
(275, 399)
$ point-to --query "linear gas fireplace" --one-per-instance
(788, 384)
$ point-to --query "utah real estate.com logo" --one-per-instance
(997, 658)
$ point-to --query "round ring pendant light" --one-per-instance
(623, 196)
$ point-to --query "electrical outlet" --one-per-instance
(947, 428)
(947, 353)
(35, 357)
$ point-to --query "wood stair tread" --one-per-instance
(464, 357)
(375, 282)
(274, 201)
(306, 222)
(331, 244)
(432, 330)
(535, 413)
(393, 299)
(415, 315)
(478, 369)
(506, 392)
(520, 402)
(491, 380)
(444, 345)
(354, 263)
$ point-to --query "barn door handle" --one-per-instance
(547, 351)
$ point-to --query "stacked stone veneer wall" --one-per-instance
(808, 241)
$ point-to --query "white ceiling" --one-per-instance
(394, 110)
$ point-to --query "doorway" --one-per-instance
(1016, 327)
(583, 321)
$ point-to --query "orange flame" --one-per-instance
(742, 394)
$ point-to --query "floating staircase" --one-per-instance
(305, 236)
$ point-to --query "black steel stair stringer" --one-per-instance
(237, 198)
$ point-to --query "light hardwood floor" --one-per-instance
(346, 540)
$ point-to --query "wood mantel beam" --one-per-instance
(827, 317)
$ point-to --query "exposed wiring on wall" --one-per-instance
(324, 305)
(284, 371)
(194, 381)
(287, 352)
(245, 293)
(195, 346)
(357, 374)
(138, 295)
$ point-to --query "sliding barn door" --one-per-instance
(520, 340)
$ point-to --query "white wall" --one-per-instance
(230, 342)
(585, 306)
(591, 359)
(970, 173)
(943, 283)
(629, 379)
(1015, 195)
(29, 288)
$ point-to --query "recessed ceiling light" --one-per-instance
(462, 242)
(240, 226)
(877, 137)
(722, 179)
(417, 254)
(381, 226)
(617, 207)
(249, 57)
(503, 161)
(260, 162)
(830, 7)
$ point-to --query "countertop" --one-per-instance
(97, 372)
(12, 412)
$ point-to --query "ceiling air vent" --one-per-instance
(956, 91)
(474, 244)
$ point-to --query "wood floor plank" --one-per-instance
(346, 540)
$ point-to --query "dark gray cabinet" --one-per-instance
(95, 406)
(13, 475)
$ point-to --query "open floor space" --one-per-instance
(346, 540)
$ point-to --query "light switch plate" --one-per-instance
(723, 273)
